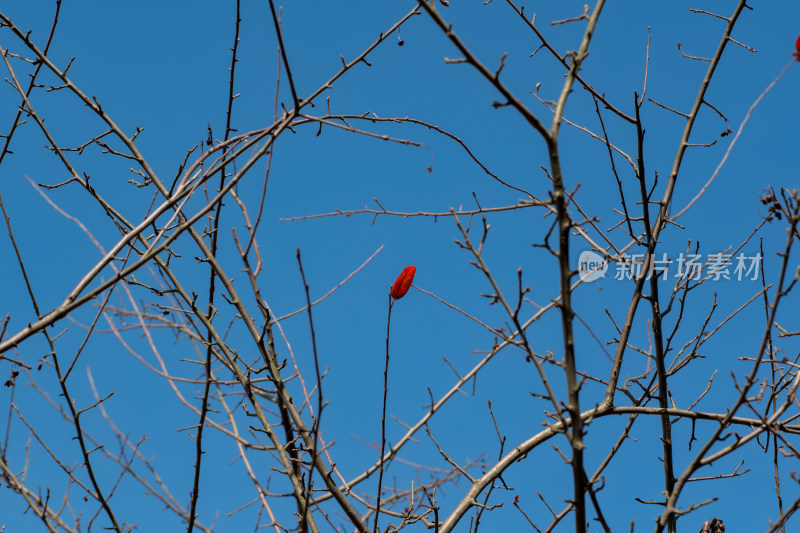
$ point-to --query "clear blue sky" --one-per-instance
(164, 66)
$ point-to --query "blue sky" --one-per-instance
(164, 66)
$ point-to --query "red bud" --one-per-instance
(797, 47)
(403, 282)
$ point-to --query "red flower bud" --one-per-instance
(797, 47)
(403, 282)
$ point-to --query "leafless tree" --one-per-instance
(183, 300)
